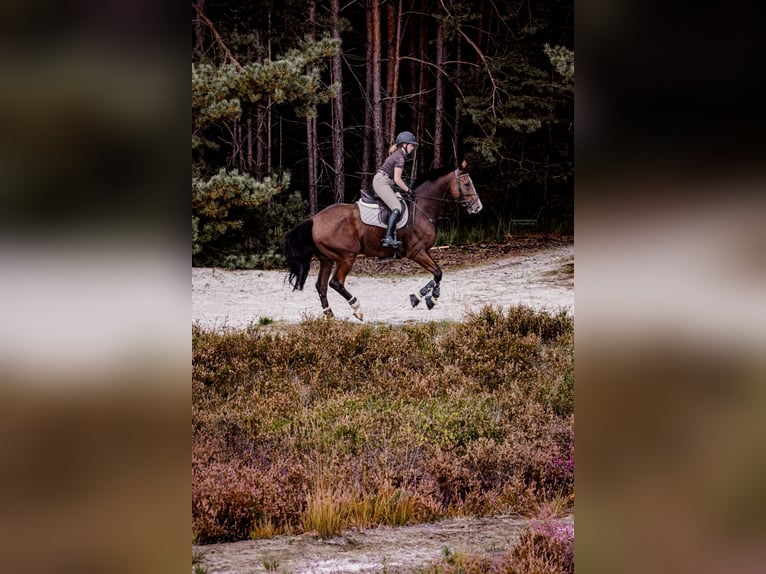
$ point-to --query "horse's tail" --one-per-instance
(299, 248)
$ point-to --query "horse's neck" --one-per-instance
(435, 196)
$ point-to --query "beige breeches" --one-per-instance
(383, 186)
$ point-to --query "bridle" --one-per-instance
(464, 196)
(463, 201)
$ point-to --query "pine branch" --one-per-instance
(483, 59)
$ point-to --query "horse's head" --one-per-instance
(463, 190)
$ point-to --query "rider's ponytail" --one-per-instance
(393, 148)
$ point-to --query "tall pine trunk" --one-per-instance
(457, 128)
(377, 104)
(338, 124)
(390, 63)
(249, 115)
(439, 111)
(267, 152)
(394, 67)
(367, 145)
(312, 149)
(422, 87)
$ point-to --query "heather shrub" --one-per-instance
(234, 492)
(546, 546)
(226, 494)
(411, 423)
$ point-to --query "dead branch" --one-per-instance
(217, 37)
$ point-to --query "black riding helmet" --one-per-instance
(406, 138)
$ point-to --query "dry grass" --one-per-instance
(325, 513)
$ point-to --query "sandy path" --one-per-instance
(234, 299)
(373, 550)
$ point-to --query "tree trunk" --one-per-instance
(268, 110)
(422, 89)
(377, 108)
(412, 38)
(260, 142)
(249, 139)
(390, 63)
(439, 111)
(369, 134)
(395, 74)
(339, 153)
(238, 157)
(312, 150)
(199, 26)
(457, 128)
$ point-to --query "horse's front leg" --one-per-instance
(338, 283)
(431, 290)
(416, 298)
(435, 292)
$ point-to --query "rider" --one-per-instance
(388, 174)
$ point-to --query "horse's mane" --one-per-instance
(433, 175)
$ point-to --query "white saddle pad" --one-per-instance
(370, 214)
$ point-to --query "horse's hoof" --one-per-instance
(430, 303)
(414, 300)
(328, 313)
(359, 315)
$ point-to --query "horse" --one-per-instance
(337, 235)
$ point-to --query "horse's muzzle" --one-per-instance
(475, 207)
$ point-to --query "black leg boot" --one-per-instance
(388, 240)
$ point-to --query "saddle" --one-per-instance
(374, 211)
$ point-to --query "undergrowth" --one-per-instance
(326, 425)
(545, 546)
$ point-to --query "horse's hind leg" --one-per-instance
(338, 283)
(325, 268)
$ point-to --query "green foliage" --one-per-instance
(563, 60)
(238, 222)
(218, 91)
(520, 112)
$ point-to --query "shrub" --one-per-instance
(546, 546)
(410, 423)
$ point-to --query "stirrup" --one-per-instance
(390, 242)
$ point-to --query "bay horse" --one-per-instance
(336, 236)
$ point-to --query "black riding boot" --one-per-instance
(388, 240)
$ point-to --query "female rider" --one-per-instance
(391, 173)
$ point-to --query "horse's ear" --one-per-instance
(463, 165)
